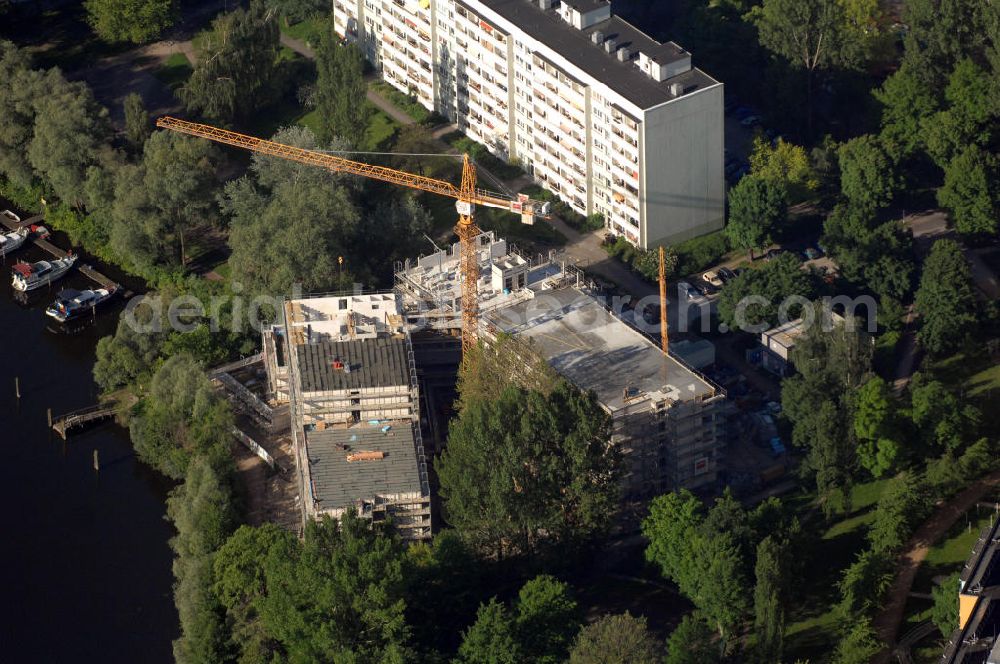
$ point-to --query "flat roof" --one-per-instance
(596, 351)
(982, 569)
(625, 78)
(338, 483)
(379, 362)
(983, 624)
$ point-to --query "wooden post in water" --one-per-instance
(97, 461)
(48, 412)
(17, 386)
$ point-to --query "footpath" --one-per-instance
(887, 622)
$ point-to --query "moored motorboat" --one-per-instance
(12, 240)
(29, 276)
(71, 303)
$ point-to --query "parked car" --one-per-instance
(750, 121)
(688, 290)
(812, 253)
(713, 277)
(726, 274)
(773, 253)
(705, 289)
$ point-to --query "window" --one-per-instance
(342, 305)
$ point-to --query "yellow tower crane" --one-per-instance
(467, 197)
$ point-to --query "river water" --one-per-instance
(84, 561)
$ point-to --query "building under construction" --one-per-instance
(348, 366)
(667, 419)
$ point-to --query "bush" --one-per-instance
(25, 198)
(699, 253)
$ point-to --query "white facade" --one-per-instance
(604, 116)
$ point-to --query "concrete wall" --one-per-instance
(683, 188)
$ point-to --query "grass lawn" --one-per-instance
(811, 632)
(175, 71)
(308, 31)
(405, 103)
(974, 374)
(381, 130)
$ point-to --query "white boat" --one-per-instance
(72, 303)
(29, 276)
(12, 240)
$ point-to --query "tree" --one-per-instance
(298, 10)
(136, 21)
(740, 307)
(756, 206)
(320, 216)
(707, 566)
(942, 32)
(944, 300)
(547, 620)
(137, 125)
(867, 173)
(871, 254)
(444, 586)
(615, 639)
(832, 364)
(181, 417)
(336, 596)
(156, 202)
(940, 416)
(859, 645)
(340, 92)
(970, 192)
(969, 120)
(491, 639)
(769, 610)
(235, 73)
(691, 643)
(202, 512)
(784, 163)
(20, 87)
(873, 425)
(241, 568)
(523, 470)
(902, 505)
(944, 613)
(863, 584)
(811, 34)
(70, 126)
(907, 101)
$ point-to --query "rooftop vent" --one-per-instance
(545, 4)
(610, 45)
(597, 37)
(676, 89)
(624, 54)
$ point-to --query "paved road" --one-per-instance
(888, 620)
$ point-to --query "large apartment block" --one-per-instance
(667, 419)
(611, 120)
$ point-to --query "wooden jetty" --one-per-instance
(85, 270)
(78, 418)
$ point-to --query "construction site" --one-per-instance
(368, 376)
(362, 374)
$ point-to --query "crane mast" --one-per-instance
(467, 197)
